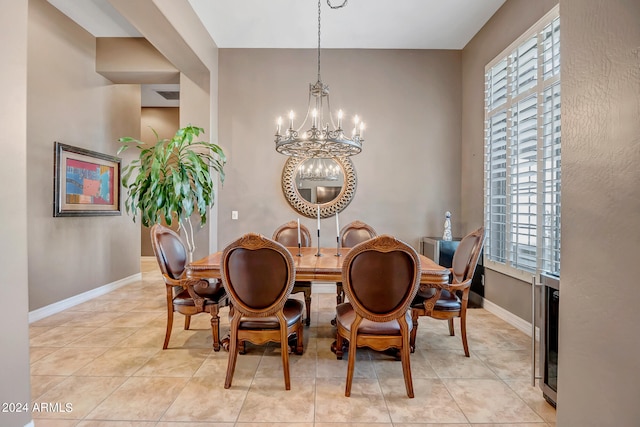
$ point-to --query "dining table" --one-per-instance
(325, 268)
(319, 264)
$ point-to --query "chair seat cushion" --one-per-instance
(211, 292)
(446, 302)
(345, 315)
(292, 312)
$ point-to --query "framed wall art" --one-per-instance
(86, 183)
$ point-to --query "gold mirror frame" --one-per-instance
(308, 209)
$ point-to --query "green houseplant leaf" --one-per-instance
(172, 179)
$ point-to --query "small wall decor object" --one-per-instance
(447, 227)
(86, 183)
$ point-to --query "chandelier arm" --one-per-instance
(344, 3)
(330, 115)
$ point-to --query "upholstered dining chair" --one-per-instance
(381, 277)
(350, 235)
(258, 274)
(287, 235)
(447, 304)
(185, 295)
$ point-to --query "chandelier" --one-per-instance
(319, 140)
(319, 170)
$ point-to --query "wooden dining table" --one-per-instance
(324, 268)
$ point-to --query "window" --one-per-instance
(522, 153)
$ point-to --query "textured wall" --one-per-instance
(69, 102)
(409, 169)
(599, 368)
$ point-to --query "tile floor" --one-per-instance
(104, 358)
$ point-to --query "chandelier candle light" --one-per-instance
(318, 254)
(299, 241)
(319, 141)
(337, 236)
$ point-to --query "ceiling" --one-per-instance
(360, 24)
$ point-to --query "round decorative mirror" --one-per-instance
(329, 183)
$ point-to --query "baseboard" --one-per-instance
(323, 287)
(515, 321)
(30, 424)
(59, 306)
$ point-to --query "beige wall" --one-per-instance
(599, 368)
(165, 121)
(409, 169)
(69, 102)
(14, 331)
(508, 23)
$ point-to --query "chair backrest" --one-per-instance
(287, 235)
(381, 277)
(465, 258)
(258, 275)
(169, 250)
(356, 232)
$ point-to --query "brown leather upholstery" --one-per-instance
(381, 278)
(351, 234)
(258, 274)
(446, 304)
(184, 295)
(287, 235)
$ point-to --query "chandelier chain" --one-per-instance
(319, 38)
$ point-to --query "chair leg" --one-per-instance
(300, 339)
(339, 347)
(307, 303)
(452, 331)
(463, 328)
(187, 321)
(406, 368)
(167, 334)
(233, 352)
(414, 330)
(215, 329)
(284, 349)
(350, 368)
(339, 293)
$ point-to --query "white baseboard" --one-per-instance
(59, 306)
(323, 287)
(515, 321)
(30, 424)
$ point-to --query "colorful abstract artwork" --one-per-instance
(86, 182)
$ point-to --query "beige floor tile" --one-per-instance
(135, 319)
(181, 424)
(103, 337)
(118, 362)
(277, 424)
(65, 361)
(532, 395)
(174, 363)
(54, 423)
(508, 365)
(40, 384)
(59, 336)
(82, 393)
(216, 366)
(37, 353)
(432, 402)
(34, 331)
(365, 405)
(267, 399)
(96, 423)
(354, 425)
(139, 399)
(432, 425)
(300, 366)
(145, 337)
(489, 401)
(204, 399)
(93, 319)
(388, 366)
(447, 365)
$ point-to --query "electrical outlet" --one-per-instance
(234, 214)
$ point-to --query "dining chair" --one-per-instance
(447, 304)
(350, 235)
(258, 274)
(381, 277)
(287, 235)
(185, 295)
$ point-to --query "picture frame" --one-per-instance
(86, 183)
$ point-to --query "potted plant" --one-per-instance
(172, 179)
